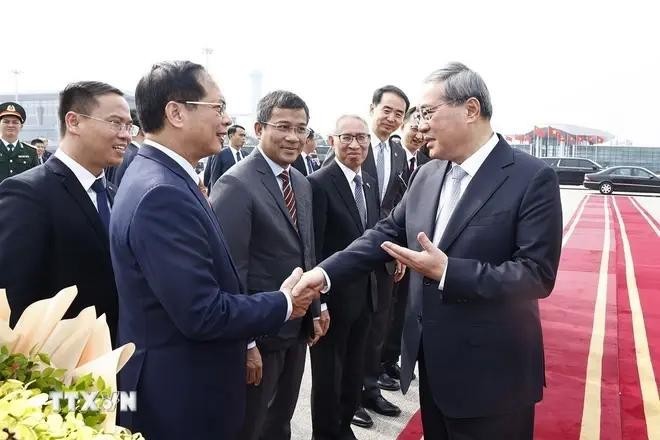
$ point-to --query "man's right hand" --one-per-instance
(254, 366)
(306, 290)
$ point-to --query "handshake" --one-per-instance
(303, 288)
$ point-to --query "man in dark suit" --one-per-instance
(42, 154)
(265, 208)
(15, 156)
(218, 164)
(481, 256)
(345, 205)
(115, 174)
(64, 208)
(305, 163)
(179, 292)
(412, 140)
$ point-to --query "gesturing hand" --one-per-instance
(430, 261)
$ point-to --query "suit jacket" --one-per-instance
(219, 165)
(336, 224)
(299, 164)
(481, 334)
(52, 237)
(261, 236)
(180, 302)
(115, 174)
(45, 157)
(22, 158)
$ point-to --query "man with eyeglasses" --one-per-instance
(219, 163)
(481, 255)
(412, 140)
(64, 208)
(346, 204)
(265, 208)
(181, 299)
(305, 163)
(15, 156)
(115, 174)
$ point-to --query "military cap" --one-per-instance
(13, 109)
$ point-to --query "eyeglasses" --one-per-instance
(301, 132)
(427, 113)
(220, 107)
(347, 139)
(131, 129)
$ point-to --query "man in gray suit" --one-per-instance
(265, 208)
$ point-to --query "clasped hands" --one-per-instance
(303, 288)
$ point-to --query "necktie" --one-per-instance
(380, 168)
(412, 164)
(289, 197)
(359, 200)
(102, 202)
(238, 156)
(10, 147)
(453, 189)
(310, 165)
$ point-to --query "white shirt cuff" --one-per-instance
(324, 307)
(251, 345)
(289, 306)
(327, 280)
(441, 285)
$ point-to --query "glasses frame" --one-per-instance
(130, 128)
(353, 137)
(425, 114)
(219, 107)
(280, 128)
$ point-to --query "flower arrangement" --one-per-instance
(43, 357)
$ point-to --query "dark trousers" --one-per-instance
(392, 346)
(380, 322)
(337, 372)
(517, 425)
(270, 406)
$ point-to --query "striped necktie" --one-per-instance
(289, 197)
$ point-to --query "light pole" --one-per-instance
(16, 72)
(207, 51)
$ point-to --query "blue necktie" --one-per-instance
(238, 157)
(310, 165)
(380, 169)
(102, 202)
(359, 200)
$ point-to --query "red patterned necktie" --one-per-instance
(289, 197)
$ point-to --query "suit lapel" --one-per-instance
(369, 165)
(395, 167)
(344, 191)
(112, 192)
(268, 180)
(81, 197)
(490, 176)
(428, 211)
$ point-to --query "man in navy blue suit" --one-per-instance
(218, 164)
(180, 298)
(482, 250)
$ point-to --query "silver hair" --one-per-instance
(342, 117)
(461, 84)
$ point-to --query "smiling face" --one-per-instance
(10, 127)
(446, 128)
(387, 115)
(351, 154)
(282, 147)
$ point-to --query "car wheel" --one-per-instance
(605, 188)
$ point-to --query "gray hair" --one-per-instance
(461, 84)
(342, 117)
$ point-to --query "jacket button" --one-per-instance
(427, 282)
(11, 160)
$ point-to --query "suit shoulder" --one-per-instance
(528, 161)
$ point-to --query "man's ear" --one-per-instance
(174, 115)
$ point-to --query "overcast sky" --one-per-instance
(576, 62)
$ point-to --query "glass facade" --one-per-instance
(605, 155)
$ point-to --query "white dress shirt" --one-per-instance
(233, 154)
(471, 165)
(83, 175)
(387, 165)
(409, 156)
(304, 159)
(350, 177)
(277, 170)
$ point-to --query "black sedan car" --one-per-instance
(623, 178)
(571, 170)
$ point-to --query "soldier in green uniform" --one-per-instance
(15, 156)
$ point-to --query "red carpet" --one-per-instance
(593, 380)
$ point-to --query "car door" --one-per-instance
(568, 171)
(645, 181)
(622, 179)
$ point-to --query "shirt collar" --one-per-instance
(6, 142)
(472, 164)
(83, 175)
(410, 155)
(277, 170)
(304, 155)
(375, 141)
(176, 157)
(235, 150)
(349, 173)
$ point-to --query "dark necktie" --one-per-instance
(359, 200)
(289, 197)
(310, 165)
(10, 147)
(412, 164)
(102, 202)
(238, 156)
